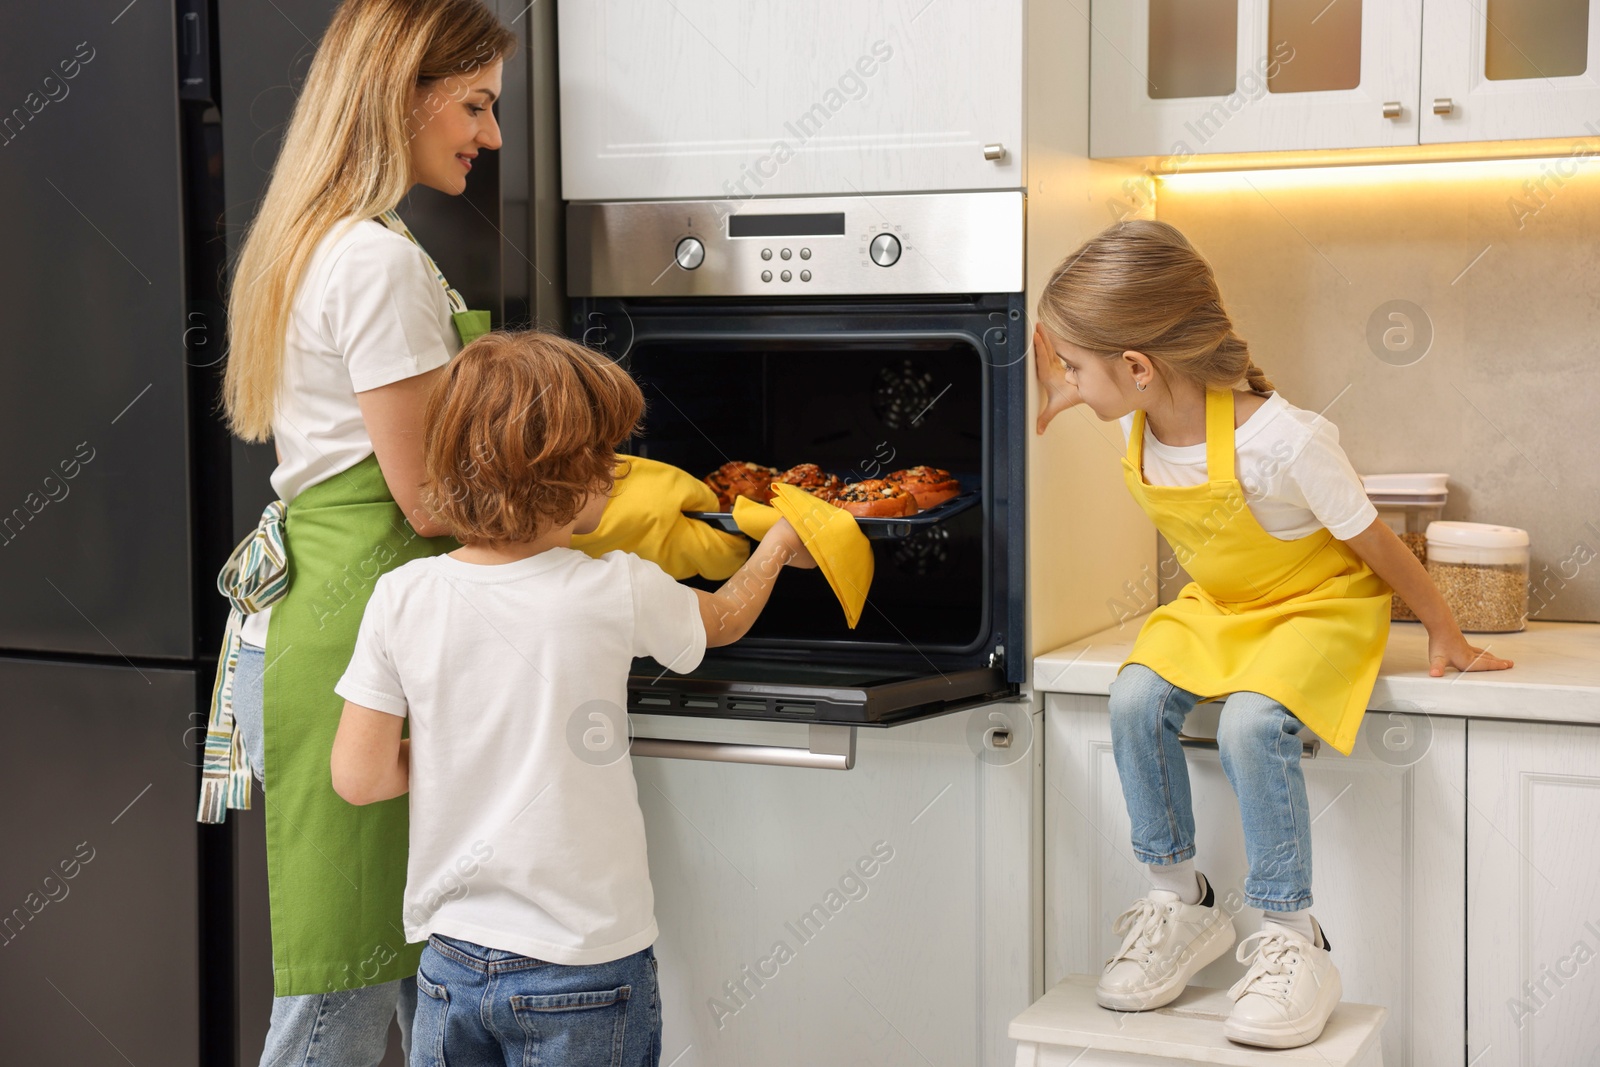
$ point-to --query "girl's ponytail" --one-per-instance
(1257, 379)
(1234, 352)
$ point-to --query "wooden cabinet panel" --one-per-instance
(895, 901)
(699, 99)
(1533, 895)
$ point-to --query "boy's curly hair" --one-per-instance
(519, 430)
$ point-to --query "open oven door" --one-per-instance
(832, 699)
(790, 691)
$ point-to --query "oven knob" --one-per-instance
(885, 249)
(691, 253)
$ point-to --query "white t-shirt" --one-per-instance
(517, 843)
(1296, 478)
(368, 311)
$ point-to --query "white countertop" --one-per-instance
(1556, 677)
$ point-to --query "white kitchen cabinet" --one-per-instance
(1188, 77)
(777, 945)
(704, 99)
(1388, 828)
(1505, 69)
(1533, 894)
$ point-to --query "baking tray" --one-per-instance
(879, 529)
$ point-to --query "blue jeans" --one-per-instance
(247, 705)
(483, 1007)
(1259, 740)
(342, 1028)
(345, 1028)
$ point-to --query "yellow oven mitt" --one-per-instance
(831, 534)
(646, 517)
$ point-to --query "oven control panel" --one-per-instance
(801, 246)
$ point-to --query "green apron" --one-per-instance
(336, 872)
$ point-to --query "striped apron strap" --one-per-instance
(255, 575)
(393, 221)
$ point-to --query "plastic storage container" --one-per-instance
(1482, 573)
(1407, 503)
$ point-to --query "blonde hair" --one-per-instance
(520, 429)
(1140, 286)
(346, 155)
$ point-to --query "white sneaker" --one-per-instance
(1285, 998)
(1167, 942)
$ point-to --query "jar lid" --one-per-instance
(1406, 488)
(1475, 535)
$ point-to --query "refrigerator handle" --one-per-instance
(831, 748)
(195, 77)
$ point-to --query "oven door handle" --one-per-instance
(831, 748)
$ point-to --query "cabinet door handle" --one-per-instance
(1391, 109)
(1308, 749)
(1443, 105)
(994, 151)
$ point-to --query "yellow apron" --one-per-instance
(1303, 622)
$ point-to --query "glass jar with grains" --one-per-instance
(1482, 572)
(1406, 504)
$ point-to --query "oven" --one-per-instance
(864, 334)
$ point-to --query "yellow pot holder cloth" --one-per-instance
(830, 534)
(646, 517)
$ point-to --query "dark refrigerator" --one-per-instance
(135, 140)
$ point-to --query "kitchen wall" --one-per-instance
(1088, 542)
(1488, 373)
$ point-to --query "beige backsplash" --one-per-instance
(1507, 398)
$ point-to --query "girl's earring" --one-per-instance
(1139, 386)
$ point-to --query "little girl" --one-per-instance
(1286, 618)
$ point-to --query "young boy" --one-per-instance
(510, 657)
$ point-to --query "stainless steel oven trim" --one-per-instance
(635, 249)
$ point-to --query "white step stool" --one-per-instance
(1066, 1028)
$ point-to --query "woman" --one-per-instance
(339, 325)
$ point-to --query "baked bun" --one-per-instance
(738, 479)
(813, 479)
(876, 498)
(930, 485)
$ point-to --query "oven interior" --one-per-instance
(858, 409)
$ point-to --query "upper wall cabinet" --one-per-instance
(703, 99)
(1185, 77)
(1503, 69)
(1178, 78)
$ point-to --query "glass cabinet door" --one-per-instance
(1509, 69)
(1177, 78)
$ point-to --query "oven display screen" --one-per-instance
(822, 224)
